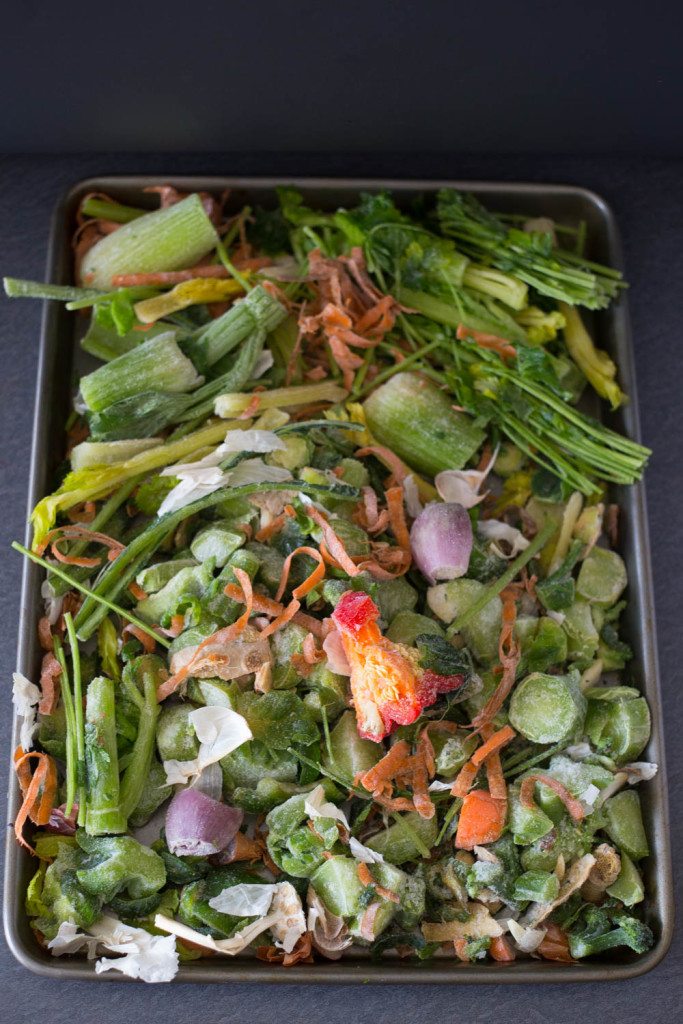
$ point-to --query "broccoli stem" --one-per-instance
(103, 210)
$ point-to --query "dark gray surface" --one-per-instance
(648, 200)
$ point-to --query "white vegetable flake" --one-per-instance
(363, 853)
(526, 939)
(25, 697)
(151, 958)
(244, 899)
(462, 486)
(439, 786)
(411, 496)
(316, 806)
(494, 530)
(219, 731)
(640, 771)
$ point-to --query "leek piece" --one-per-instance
(157, 364)
(106, 344)
(167, 239)
(214, 341)
(231, 406)
(104, 453)
(98, 481)
(16, 289)
(187, 293)
(138, 416)
(236, 377)
(104, 813)
(79, 717)
(417, 421)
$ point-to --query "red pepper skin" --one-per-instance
(388, 687)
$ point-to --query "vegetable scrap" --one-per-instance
(332, 652)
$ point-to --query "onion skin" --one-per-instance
(441, 541)
(198, 826)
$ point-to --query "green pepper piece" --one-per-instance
(624, 824)
(115, 864)
(451, 600)
(295, 848)
(218, 541)
(269, 793)
(452, 750)
(394, 596)
(547, 648)
(602, 578)
(407, 839)
(337, 884)
(405, 626)
(537, 886)
(350, 754)
(582, 636)
(548, 709)
(176, 738)
(254, 761)
(618, 727)
(629, 886)
(566, 838)
(194, 909)
(527, 824)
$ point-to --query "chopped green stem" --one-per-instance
(79, 718)
(404, 824)
(225, 260)
(104, 210)
(450, 814)
(511, 770)
(513, 570)
(71, 728)
(91, 594)
(16, 289)
(414, 357)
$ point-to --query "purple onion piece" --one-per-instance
(441, 541)
(197, 825)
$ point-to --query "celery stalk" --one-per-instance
(233, 405)
(498, 285)
(417, 421)
(104, 813)
(103, 453)
(106, 344)
(168, 239)
(157, 364)
(103, 210)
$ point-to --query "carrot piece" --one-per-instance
(314, 626)
(490, 341)
(364, 876)
(493, 744)
(225, 635)
(315, 577)
(396, 467)
(39, 793)
(260, 603)
(508, 654)
(464, 780)
(136, 590)
(501, 950)
(49, 674)
(273, 527)
(333, 542)
(148, 642)
(311, 653)
(526, 794)
(482, 820)
(397, 517)
(555, 945)
(386, 768)
(282, 619)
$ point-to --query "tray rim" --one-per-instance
(348, 971)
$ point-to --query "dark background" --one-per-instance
(582, 93)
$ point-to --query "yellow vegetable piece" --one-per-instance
(187, 293)
(596, 366)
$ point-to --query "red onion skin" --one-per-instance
(197, 825)
(441, 541)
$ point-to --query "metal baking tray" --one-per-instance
(59, 359)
